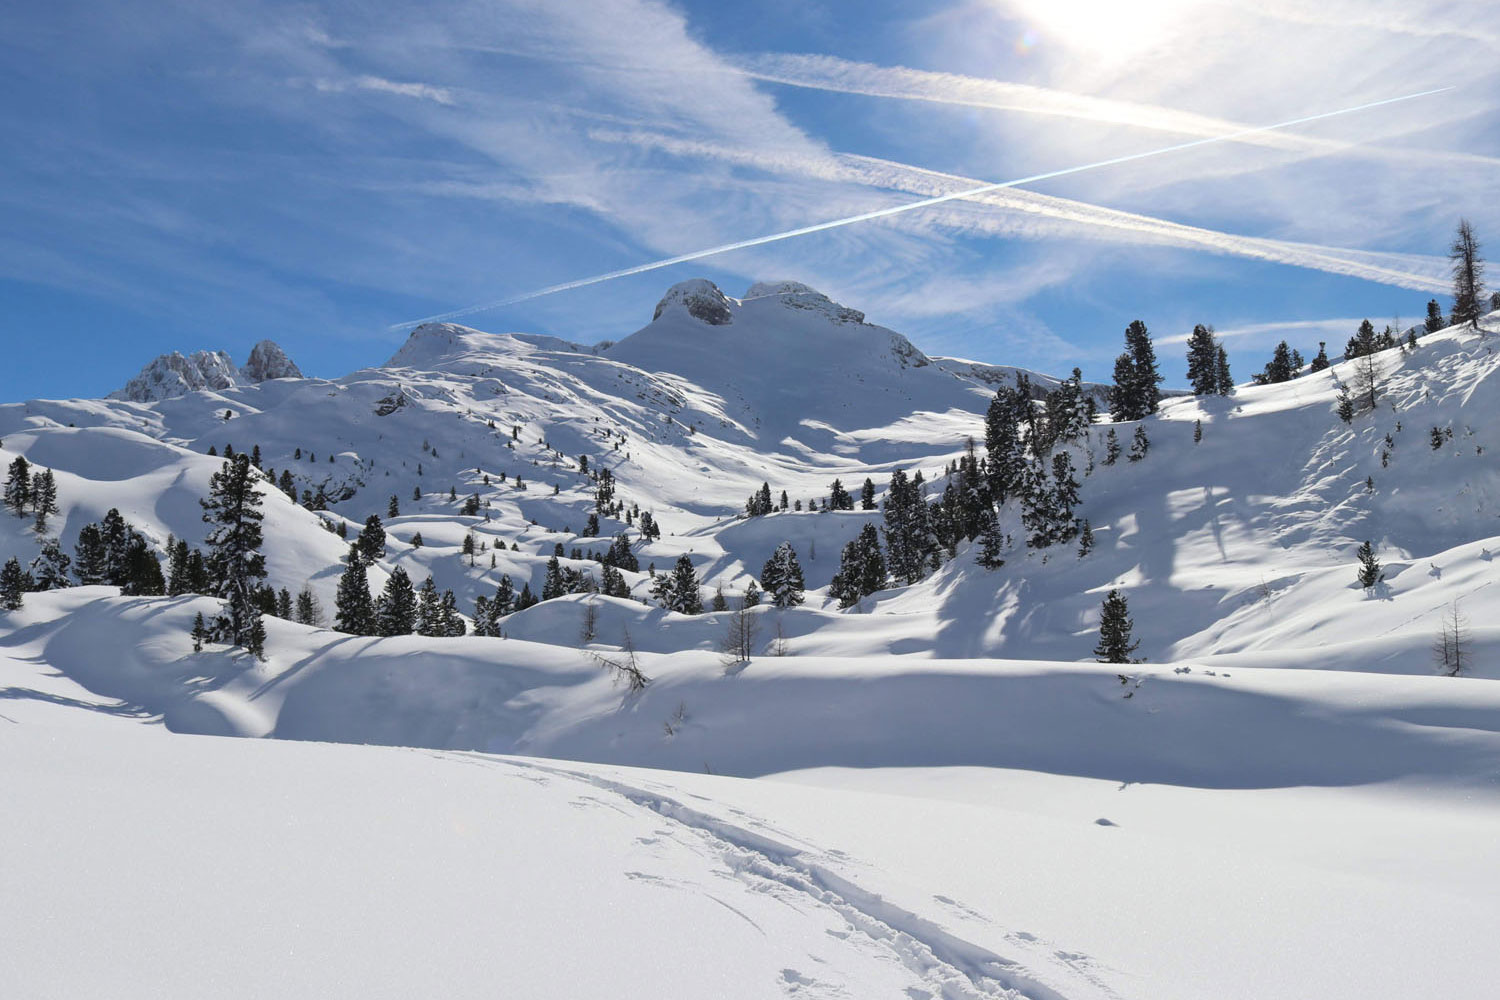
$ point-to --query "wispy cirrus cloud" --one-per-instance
(367, 82)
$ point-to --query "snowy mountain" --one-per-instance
(931, 791)
(171, 375)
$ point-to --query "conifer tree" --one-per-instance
(1115, 645)
(1223, 380)
(751, 597)
(142, 573)
(612, 583)
(678, 590)
(553, 585)
(18, 486)
(525, 599)
(284, 604)
(371, 541)
(1202, 361)
(199, 633)
(1320, 362)
(1197, 431)
(1136, 392)
(1139, 444)
(1468, 276)
(867, 495)
(51, 567)
(90, 556)
(1435, 319)
(861, 568)
(1111, 447)
(43, 498)
(235, 563)
(392, 507)
(1370, 572)
(839, 498)
(396, 608)
(309, 611)
(430, 609)
(1346, 404)
(1085, 538)
(992, 542)
(781, 577)
(13, 585)
(450, 621)
(505, 598)
(1279, 368)
(354, 611)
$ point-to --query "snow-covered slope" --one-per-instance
(1217, 780)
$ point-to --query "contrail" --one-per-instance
(911, 206)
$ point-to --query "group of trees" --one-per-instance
(30, 491)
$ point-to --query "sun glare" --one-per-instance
(1105, 27)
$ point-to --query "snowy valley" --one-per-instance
(581, 763)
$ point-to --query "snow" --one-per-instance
(934, 793)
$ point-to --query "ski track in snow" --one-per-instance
(955, 968)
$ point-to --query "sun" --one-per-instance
(1117, 28)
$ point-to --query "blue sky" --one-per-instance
(192, 175)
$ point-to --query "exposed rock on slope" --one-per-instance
(171, 375)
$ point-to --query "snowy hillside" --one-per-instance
(928, 788)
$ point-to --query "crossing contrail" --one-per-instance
(881, 213)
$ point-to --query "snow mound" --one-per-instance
(702, 300)
(268, 361)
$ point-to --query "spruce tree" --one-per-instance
(1468, 276)
(354, 611)
(18, 486)
(392, 507)
(13, 585)
(751, 598)
(1136, 392)
(1202, 361)
(1111, 447)
(450, 621)
(284, 604)
(199, 633)
(839, 498)
(309, 612)
(781, 577)
(1320, 362)
(1085, 538)
(1346, 404)
(866, 495)
(1370, 572)
(91, 557)
(1223, 380)
(992, 543)
(371, 540)
(612, 583)
(51, 567)
(553, 585)
(142, 574)
(396, 608)
(430, 609)
(1115, 645)
(1139, 444)
(505, 598)
(43, 498)
(235, 563)
(1279, 368)
(525, 599)
(1435, 320)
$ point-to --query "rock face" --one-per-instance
(702, 300)
(796, 295)
(172, 375)
(267, 361)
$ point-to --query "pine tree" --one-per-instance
(396, 608)
(839, 498)
(1111, 447)
(781, 577)
(1136, 392)
(612, 583)
(142, 575)
(309, 612)
(284, 604)
(91, 557)
(1139, 444)
(1202, 361)
(354, 611)
(371, 541)
(51, 568)
(505, 598)
(1346, 405)
(235, 563)
(450, 621)
(1085, 538)
(678, 590)
(866, 495)
(719, 603)
(392, 507)
(862, 569)
(1197, 431)
(468, 546)
(525, 599)
(992, 542)
(1320, 362)
(18, 486)
(430, 609)
(1280, 368)
(416, 540)
(43, 498)
(1370, 572)
(199, 633)
(14, 584)
(553, 585)
(1468, 276)
(1114, 631)
(1222, 378)
(1435, 320)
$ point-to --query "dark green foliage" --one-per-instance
(910, 541)
(235, 564)
(18, 486)
(284, 604)
(1136, 392)
(1139, 444)
(371, 541)
(1202, 361)
(354, 611)
(43, 498)
(308, 610)
(1085, 538)
(861, 569)
(759, 503)
(866, 496)
(51, 568)
(142, 570)
(1346, 405)
(1320, 362)
(719, 603)
(612, 583)
(199, 633)
(1224, 382)
(1115, 645)
(396, 608)
(1111, 447)
(1281, 367)
(392, 507)
(839, 498)
(553, 585)
(525, 598)
(14, 583)
(1370, 572)
(90, 556)
(781, 576)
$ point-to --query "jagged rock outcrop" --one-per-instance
(796, 295)
(701, 298)
(268, 361)
(171, 375)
